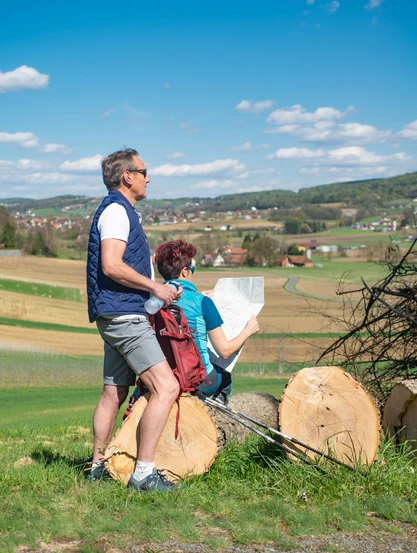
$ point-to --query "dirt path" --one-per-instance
(393, 538)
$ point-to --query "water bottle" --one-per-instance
(154, 304)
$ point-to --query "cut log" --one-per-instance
(257, 405)
(327, 409)
(203, 431)
(400, 413)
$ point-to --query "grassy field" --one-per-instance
(61, 326)
(251, 495)
(55, 407)
(21, 370)
(43, 290)
(351, 271)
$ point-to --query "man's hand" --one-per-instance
(167, 293)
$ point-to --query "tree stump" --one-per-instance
(325, 408)
(203, 431)
(400, 413)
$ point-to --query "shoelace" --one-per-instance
(163, 478)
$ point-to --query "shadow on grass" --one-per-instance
(48, 457)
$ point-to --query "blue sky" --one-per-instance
(218, 97)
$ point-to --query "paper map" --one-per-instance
(237, 299)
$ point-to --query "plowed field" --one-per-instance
(283, 312)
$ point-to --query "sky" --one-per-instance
(217, 97)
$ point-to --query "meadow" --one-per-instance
(252, 495)
(50, 380)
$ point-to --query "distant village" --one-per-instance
(75, 219)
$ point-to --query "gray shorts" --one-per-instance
(130, 348)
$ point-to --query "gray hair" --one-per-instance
(114, 165)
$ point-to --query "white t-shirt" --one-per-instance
(114, 223)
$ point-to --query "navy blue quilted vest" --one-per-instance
(105, 296)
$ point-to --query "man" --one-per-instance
(119, 281)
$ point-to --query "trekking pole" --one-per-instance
(215, 403)
(270, 440)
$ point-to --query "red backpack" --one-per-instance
(179, 347)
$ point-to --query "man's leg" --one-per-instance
(105, 416)
(164, 389)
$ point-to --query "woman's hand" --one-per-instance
(252, 326)
(209, 293)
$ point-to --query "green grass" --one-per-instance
(275, 368)
(251, 495)
(47, 326)
(42, 290)
(29, 369)
(332, 271)
(93, 330)
(31, 408)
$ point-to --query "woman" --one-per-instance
(175, 261)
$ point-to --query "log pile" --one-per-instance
(400, 413)
(323, 407)
(203, 431)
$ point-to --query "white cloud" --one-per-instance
(329, 131)
(296, 153)
(175, 155)
(52, 148)
(356, 155)
(372, 4)
(107, 113)
(306, 171)
(349, 155)
(187, 126)
(259, 187)
(248, 147)
(213, 167)
(297, 114)
(85, 164)
(24, 139)
(213, 183)
(322, 126)
(54, 177)
(30, 140)
(23, 77)
(30, 171)
(373, 170)
(257, 173)
(22, 165)
(409, 131)
(333, 6)
(254, 107)
(310, 2)
(167, 85)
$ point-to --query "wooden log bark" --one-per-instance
(400, 413)
(325, 408)
(203, 431)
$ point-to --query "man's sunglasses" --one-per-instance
(191, 268)
(143, 172)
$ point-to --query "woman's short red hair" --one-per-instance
(173, 256)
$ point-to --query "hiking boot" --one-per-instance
(98, 473)
(153, 482)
